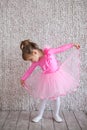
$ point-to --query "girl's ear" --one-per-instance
(35, 51)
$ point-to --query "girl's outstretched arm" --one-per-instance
(29, 71)
(61, 48)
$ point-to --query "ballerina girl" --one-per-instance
(55, 80)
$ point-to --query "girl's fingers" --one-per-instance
(77, 46)
(22, 82)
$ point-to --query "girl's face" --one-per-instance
(35, 56)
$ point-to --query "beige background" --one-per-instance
(53, 22)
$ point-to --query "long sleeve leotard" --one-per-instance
(48, 63)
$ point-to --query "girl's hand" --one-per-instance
(77, 46)
(22, 82)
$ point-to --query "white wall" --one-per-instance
(53, 22)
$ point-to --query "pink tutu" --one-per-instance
(51, 85)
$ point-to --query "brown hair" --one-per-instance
(27, 48)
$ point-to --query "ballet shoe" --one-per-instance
(57, 118)
(37, 119)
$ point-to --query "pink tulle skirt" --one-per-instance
(52, 85)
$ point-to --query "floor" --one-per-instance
(21, 120)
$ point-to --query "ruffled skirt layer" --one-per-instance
(52, 85)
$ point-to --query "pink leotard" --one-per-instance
(48, 62)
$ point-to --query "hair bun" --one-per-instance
(24, 44)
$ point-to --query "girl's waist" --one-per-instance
(51, 71)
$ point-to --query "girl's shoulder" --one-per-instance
(46, 49)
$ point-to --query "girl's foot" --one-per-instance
(57, 118)
(37, 119)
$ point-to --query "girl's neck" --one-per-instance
(41, 54)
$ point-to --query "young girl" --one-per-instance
(55, 79)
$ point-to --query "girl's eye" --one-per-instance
(30, 59)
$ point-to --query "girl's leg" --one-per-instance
(41, 111)
(56, 112)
